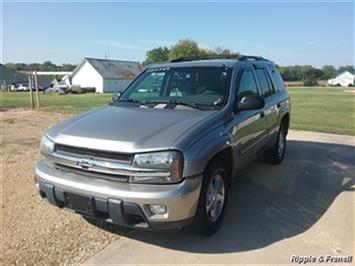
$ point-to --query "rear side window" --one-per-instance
(264, 82)
(277, 79)
(247, 85)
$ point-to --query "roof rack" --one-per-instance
(251, 57)
(221, 56)
(182, 59)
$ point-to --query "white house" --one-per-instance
(105, 75)
(344, 79)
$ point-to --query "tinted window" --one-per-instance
(276, 77)
(247, 85)
(265, 86)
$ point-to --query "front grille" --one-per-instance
(73, 170)
(95, 153)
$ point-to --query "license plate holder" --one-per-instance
(80, 204)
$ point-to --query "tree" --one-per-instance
(286, 73)
(184, 48)
(305, 71)
(21, 67)
(218, 50)
(157, 55)
(221, 51)
(311, 76)
(329, 72)
(291, 73)
(345, 68)
(313, 73)
(33, 67)
(10, 65)
(310, 82)
(67, 67)
(48, 66)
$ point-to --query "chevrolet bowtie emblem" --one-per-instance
(85, 163)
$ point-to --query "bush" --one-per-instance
(310, 83)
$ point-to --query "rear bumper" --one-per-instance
(123, 203)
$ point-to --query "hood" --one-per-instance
(126, 129)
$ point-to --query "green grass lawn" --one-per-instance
(66, 103)
(323, 109)
(313, 109)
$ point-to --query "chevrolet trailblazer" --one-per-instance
(164, 153)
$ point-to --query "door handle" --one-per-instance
(262, 114)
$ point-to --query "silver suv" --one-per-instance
(164, 153)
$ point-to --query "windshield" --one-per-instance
(192, 86)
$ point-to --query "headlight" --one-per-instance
(47, 146)
(168, 162)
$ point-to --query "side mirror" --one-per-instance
(116, 95)
(252, 102)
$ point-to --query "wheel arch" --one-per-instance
(215, 146)
(226, 156)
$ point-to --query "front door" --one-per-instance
(249, 127)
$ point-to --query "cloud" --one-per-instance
(120, 45)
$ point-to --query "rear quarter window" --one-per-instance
(277, 79)
(264, 82)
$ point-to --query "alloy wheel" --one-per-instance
(215, 197)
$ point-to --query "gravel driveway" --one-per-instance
(31, 230)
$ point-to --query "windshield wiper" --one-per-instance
(175, 102)
(130, 100)
(192, 105)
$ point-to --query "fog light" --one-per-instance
(157, 209)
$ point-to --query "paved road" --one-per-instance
(303, 207)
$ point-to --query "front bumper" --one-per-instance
(120, 202)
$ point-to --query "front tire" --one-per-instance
(213, 197)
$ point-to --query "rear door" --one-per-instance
(268, 92)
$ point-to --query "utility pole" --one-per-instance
(37, 94)
(30, 86)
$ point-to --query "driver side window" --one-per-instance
(247, 85)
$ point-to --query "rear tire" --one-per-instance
(276, 153)
(213, 197)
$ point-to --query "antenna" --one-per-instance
(107, 52)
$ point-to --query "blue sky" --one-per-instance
(315, 33)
